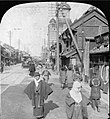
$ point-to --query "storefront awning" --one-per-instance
(70, 53)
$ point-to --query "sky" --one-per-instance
(27, 25)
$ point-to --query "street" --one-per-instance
(16, 105)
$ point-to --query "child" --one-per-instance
(95, 96)
(38, 91)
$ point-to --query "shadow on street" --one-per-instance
(49, 106)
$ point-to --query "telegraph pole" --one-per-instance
(18, 44)
(57, 34)
(79, 54)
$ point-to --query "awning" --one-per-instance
(102, 49)
(5, 56)
(70, 53)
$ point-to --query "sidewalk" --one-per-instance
(104, 97)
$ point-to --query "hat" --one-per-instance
(36, 74)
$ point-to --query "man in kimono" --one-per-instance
(32, 69)
(38, 91)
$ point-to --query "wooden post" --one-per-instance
(79, 54)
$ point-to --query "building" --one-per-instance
(52, 29)
(100, 58)
(52, 32)
(44, 54)
(89, 25)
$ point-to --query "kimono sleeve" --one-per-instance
(85, 102)
(69, 101)
(48, 90)
(28, 91)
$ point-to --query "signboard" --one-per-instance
(74, 61)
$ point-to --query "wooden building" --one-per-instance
(89, 25)
(100, 58)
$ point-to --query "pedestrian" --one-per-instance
(95, 95)
(69, 76)
(77, 76)
(32, 69)
(46, 75)
(38, 91)
(63, 77)
(76, 103)
(2, 67)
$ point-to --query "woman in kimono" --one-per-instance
(76, 103)
(38, 91)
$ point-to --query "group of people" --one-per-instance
(45, 73)
(38, 90)
(76, 102)
(68, 76)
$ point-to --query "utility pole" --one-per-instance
(79, 54)
(18, 44)
(57, 34)
(10, 37)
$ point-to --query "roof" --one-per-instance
(89, 11)
(103, 34)
(64, 5)
(101, 49)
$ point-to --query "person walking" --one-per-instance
(2, 67)
(76, 103)
(46, 74)
(95, 95)
(63, 77)
(38, 91)
(69, 76)
(32, 69)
